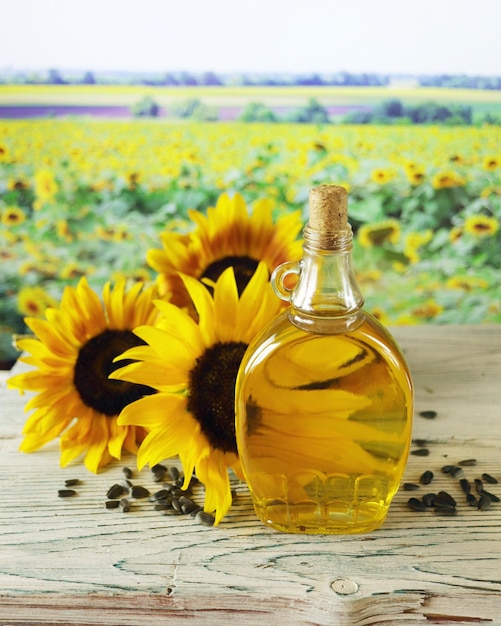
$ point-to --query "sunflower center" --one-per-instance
(94, 365)
(211, 397)
(243, 266)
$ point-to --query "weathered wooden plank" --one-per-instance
(70, 561)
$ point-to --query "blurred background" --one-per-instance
(116, 118)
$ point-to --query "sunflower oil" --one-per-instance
(323, 402)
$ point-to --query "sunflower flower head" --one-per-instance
(193, 366)
(481, 226)
(227, 236)
(72, 355)
(378, 234)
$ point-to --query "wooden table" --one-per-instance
(71, 561)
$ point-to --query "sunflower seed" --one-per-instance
(428, 499)
(444, 499)
(71, 482)
(139, 492)
(162, 507)
(492, 496)
(176, 505)
(489, 479)
(125, 505)
(115, 491)
(158, 495)
(479, 485)
(445, 510)
(127, 472)
(416, 505)
(471, 500)
(195, 511)
(66, 493)
(468, 462)
(112, 504)
(189, 507)
(420, 443)
(484, 502)
(426, 477)
(457, 471)
(207, 519)
(465, 485)
(174, 473)
(410, 487)
(429, 415)
(420, 452)
(447, 469)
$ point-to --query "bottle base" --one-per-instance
(337, 518)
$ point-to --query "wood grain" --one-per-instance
(70, 561)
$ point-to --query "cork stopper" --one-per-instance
(328, 208)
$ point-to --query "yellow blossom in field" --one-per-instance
(466, 283)
(33, 301)
(46, 186)
(4, 153)
(370, 235)
(490, 163)
(17, 184)
(456, 233)
(428, 310)
(72, 270)
(481, 226)
(13, 216)
(381, 176)
(447, 179)
(63, 230)
(380, 315)
(415, 176)
(414, 241)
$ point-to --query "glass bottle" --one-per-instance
(324, 397)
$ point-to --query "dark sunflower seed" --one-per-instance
(127, 472)
(158, 495)
(195, 511)
(410, 487)
(492, 496)
(479, 485)
(445, 510)
(139, 492)
(416, 505)
(189, 507)
(471, 500)
(484, 502)
(429, 415)
(71, 482)
(174, 473)
(125, 505)
(66, 493)
(115, 491)
(176, 505)
(420, 443)
(447, 469)
(420, 452)
(112, 504)
(468, 462)
(444, 499)
(428, 499)
(207, 519)
(426, 477)
(465, 485)
(162, 507)
(489, 479)
(457, 472)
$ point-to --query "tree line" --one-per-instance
(183, 79)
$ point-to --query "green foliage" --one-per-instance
(146, 107)
(257, 112)
(195, 109)
(312, 113)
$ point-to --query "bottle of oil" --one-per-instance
(324, 398)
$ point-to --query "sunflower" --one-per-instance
(46, 186)
(227, 237)
(378, 234)
(33, 301)
(481, 226)
(13, 216)
(193, 367)
(72, 352)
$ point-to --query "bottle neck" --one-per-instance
(326, 296)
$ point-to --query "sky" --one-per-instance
(293, 36)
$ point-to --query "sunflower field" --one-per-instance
(90, 197)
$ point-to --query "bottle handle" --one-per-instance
(279, 279)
